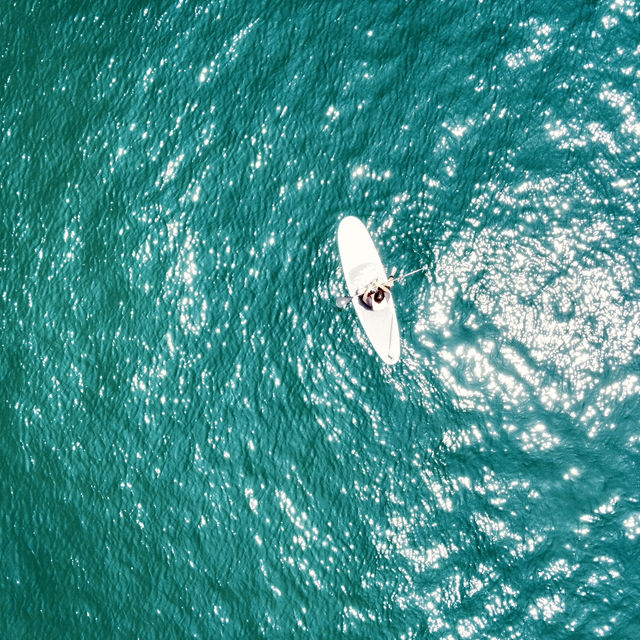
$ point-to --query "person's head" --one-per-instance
(378, 296)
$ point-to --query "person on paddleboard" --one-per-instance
(376, 295)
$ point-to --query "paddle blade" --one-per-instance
(343, 303)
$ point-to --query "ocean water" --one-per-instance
(196, 443)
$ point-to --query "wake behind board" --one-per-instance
(361, 265)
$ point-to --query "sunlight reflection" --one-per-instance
(553, 307)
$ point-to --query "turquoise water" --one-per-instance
(195, 441)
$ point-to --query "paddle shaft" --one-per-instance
(406, 275)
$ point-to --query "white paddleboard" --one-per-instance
(361, 265)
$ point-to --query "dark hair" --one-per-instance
(378, 296)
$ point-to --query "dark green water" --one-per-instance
(195, 441)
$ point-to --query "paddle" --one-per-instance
(343, 301)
